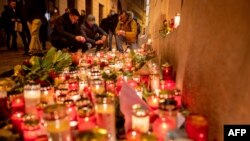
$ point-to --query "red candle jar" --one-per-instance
(167, 85)
(17, 119)
(30, 128)
(167, 72)
(177, 96)
(60, 99)
(167, 120)
(40, 107)
(73, 85)
(110, 86)
(71, 111)
(83, 102)
(197, 127)
(133, 135)
(132, 83)
(86, 118)
(3, 103)
(17, 103)
(144, 79)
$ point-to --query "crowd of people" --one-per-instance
(70, 31)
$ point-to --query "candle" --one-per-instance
(71, 110)
(110, 86)
(177, 20)
(47, 95)
(154, 82)
(82, 85)
(60, 99)
(17, 104)
(139, 91)
(3, 103)
(105, 114)
(97, 87)
(32, 94)
(40, 107)
(57, 123)
(136, 78)
(140, 118)
(30, 128)
(178, 97)
(83, 102)
(169, 85)
(86, 118)
(153, 102)
(73, 85)
(132, 83)
(17, 120)
(74, 95)
(167, 71)
(197, 127)
(133, 135)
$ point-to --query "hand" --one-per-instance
(80, 39)
(121, 32)
(104, 38)
(99, 42)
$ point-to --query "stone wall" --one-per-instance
(210, 52)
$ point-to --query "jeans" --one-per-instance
(60, 43)
(12, 34)
(111, 34)
(35, 44)
(98, 47)
(121, 39)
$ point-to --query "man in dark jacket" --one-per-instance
(113, 19)
(95, 36)
(65, 32)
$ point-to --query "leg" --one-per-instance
(14, 43)
(133, 45)
(120, 40)
(25, 42)
(61, 43)
(110, 40)
(8, 34)
(35, 45)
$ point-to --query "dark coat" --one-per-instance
(91, 33)
(105, 25)
(64, 28)
(7, 15)
(112, 22)
(35, 9)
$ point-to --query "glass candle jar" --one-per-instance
(97, 87)
(60, 99)
(47, 95)
(140, 118)
(71, 111)
(167, 71)
(133, 135)
(40, 111)
(153, 101)
(32, 95)
(83, 102)
(154, 82)
(86, 118)
(4, 103)
(110, 86)
(31, 128)
(167, 120)
(82, 85)
(105, 114)
(57, 123)
(73, 85)
(74, 95)
(96, 134)
(17, 103)
(16, 119)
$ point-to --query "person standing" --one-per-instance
(36, 10)
(25, 33)
(126, 31)
(113, 19)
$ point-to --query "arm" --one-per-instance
(132, 34)
(60, 30)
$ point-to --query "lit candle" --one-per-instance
(132, 83)
(105, 114)
(74, 95)
(133, 135)
(153, 102)
(17, 104)
(73, 85)
(82, 85)
(110, 86)
(30, 128)
(86, 118)
(154, 82)
(136, 78)
(71, 110)
(32, 94)
(47, 95)
(177, 20)
(140, 118)
(169, 85)
(17, 120)
(139, 91)
(167, 71)
(197, 127)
